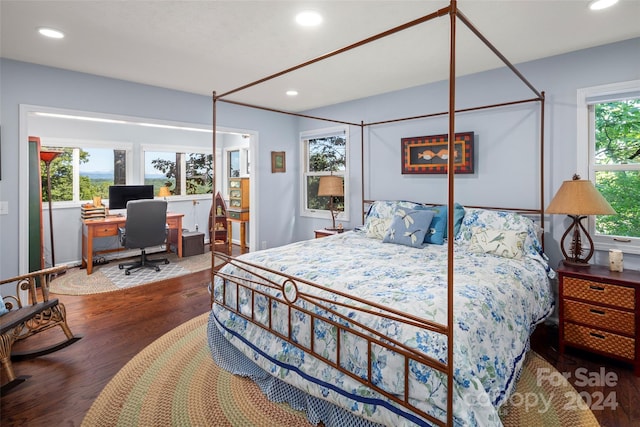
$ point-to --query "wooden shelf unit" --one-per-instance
(218, 233)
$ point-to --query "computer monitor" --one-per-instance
(119, 195)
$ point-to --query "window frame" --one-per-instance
(586, 165)
(84, 144)
(144, 148)
(304, 173)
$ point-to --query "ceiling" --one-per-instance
(205, 46)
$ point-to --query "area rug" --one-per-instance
(109, 277)
(174, 381)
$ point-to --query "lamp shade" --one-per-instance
(330, 186)
(164, 192)
(579, 197)
(49, 156)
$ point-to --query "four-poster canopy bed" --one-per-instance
(364, 335)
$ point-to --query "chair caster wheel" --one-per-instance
(166, 261)
(127, 273)
(157, 268)
(121, 267)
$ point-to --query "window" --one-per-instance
(83, 171)
(613, 161)
(185, 173)
(324, 152)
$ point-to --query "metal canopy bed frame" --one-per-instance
(289, 287)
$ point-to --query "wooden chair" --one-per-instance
(29, 318)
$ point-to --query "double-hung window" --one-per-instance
(609, 154)
(324, 152)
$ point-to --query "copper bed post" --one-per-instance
(362, 198)
(542, 102)
(450, 211)
(212, 245)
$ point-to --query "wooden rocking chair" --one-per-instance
(25, 320)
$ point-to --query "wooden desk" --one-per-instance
(243, 233)
(107, 227)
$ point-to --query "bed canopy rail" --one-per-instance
(454, 14)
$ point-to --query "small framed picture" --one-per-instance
(278, 162)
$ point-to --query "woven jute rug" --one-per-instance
(109, 278)
(174, 382)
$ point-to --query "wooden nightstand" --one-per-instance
(324, 232)
(600, 312)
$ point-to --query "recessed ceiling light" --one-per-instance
(51, 33)
(601, 4)
(309, 18)
(292, 93)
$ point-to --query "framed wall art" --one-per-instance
(278, 162)
(430, 154)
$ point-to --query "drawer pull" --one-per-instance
(596, 288)
(593, 334)
(600, 312)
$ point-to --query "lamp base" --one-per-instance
(579, 264)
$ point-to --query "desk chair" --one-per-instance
(146, 226)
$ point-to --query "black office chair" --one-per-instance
(146, 226)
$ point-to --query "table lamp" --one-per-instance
(47, 157)
(577, 199)
(164, 192)
(331, 186)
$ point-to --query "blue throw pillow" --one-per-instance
(438, 228)
(3, 308)
(409, 227)
(458, 216)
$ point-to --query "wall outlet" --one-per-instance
(4, 208)
(196, 227)
(263, 245)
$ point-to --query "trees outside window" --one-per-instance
(617, 165)
(184, 173)
(80, 173)
(608, 137)
(324, 153)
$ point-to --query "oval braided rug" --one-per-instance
(174, 381)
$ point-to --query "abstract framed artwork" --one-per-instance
(430, 154)
(278, 162)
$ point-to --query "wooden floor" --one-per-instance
(62, 386)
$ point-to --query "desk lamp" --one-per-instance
(47, 157)
(164, 192)
(331, 186)
(577, 199)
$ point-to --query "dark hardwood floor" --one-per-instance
(62, 386)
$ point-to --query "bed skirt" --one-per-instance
(233, 360)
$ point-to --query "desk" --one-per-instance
(243, 233)
(107, 227)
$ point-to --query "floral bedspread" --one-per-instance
(497, 303)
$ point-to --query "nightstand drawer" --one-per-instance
(105, 230)
(605, 293)
(598, 340)
(600, 317)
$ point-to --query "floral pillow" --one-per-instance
(501, 220)
(408, 227)
(380, 215)
(504, 243)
